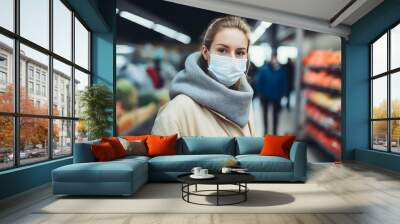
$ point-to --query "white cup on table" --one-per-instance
(196, 171)
(203, 172)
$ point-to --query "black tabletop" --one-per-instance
(220, 178)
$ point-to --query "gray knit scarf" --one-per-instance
(203, 89)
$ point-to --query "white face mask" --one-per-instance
(227, 70)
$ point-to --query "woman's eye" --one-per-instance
(222, 50)
(241, 53)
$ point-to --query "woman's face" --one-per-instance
(229, 42)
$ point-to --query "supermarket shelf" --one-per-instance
(334, 155)
(324, 109)
(332, 69)
(325, 129)
(334, 92)
(333, 150)
(323, 67)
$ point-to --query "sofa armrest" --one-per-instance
(83, 152)
(298, 155)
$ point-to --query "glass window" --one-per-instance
(395, 47)
(3, 60)
(30, 87)
(379, 135)
(7, 14)
(37, 75)
(379, 97)
(62, 29)
(62, 72)
(37, 89)
(395, 136)
(379, 56)
(6, 142)
(40, 62)
(81, 131)
(388, 81)
(33, 139)
(395, 95)
(34, 80)
(81, 82)
(62, 137)
(34, 21)
(81, 45)
(30, 71)
(7, 74)
(44, 91)
(3, 78)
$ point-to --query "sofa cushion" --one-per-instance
(277, 145)
(249, 145)
(133, 158)
(103, 152)
(257, 163)
(206, 145)
(111, 171)
(135, 137)
(185, 163)
(116, 145)
(134, 147)
(161, 145)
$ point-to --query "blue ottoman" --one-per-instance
(118, 177)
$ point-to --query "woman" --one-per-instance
(211, 96)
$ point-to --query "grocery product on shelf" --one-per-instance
(323, 58)
(322, 79)
(322, 89)
(322, 118)
(324, 100)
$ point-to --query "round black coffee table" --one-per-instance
(238, 179)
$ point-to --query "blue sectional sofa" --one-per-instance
(125, 176)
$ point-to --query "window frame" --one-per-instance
(16, 115)
(388, 74)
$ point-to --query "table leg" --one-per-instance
(196, 187)
(188, 189)
(217, 194)
(245, 193)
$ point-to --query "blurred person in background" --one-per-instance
(251, 74)
(272, 85)
(211, 95)
(153, 71)
(290, 77)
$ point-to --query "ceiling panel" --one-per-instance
(326, 16)
(320, 9)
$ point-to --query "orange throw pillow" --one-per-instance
(116, 145)
(161, 145)
(103, 151)
(277, 145)
(136, 137)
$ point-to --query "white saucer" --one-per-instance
(208, 176)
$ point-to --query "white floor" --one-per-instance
(378, 190)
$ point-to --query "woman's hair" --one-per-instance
(225, 22)
(217, 25)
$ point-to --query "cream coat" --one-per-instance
(184, 116)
